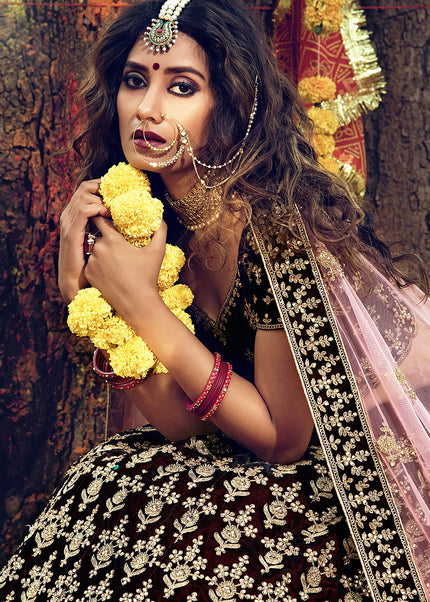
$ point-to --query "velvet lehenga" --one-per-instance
(139, 518)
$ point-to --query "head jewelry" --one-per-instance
(163, 31)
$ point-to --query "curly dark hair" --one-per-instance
(278, 169)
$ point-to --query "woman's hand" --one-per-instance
(84, 205)
(126, 275)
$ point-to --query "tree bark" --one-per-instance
(398, 132)
(52, 408)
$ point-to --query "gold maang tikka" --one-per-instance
(163, 31)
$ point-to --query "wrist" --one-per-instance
(68, 291)
(144, 309)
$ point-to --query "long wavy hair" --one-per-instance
(278, 169)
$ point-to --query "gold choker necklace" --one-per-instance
(199, 208)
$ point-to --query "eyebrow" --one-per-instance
(169, 70)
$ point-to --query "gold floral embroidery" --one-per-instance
(329, 262)
(229, 537)
(404, 382)
(339, 414)
(183, 567)
(134, 546)
(395, 450)
(274, 558)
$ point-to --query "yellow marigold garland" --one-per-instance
(324, 145)
(329, 164)
(314, 90)
(325, 122)
(323, 16)
(137, 215)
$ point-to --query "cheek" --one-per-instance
(200, 126)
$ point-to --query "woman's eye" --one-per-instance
(133, 80)
(182, 89)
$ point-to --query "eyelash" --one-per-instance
(192, 89)
(129, 77)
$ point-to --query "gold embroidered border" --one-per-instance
(341, 424)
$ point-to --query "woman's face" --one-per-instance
(173, 83)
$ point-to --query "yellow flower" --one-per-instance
(159, 368)
(114, 332)
(173, 262)
(323, 16)
(137, 215)
(184, 317)
(329, 164)
(122, 178)
(316, 89)
(87, 312)
(282, 8)
(132, 359)
(325, 121)
(178, 296)
(324, 145)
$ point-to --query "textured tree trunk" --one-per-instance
(398, 132)
(51, 406)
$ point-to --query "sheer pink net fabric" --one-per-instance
(386, 334)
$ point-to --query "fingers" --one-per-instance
(106, 228)
(84, 204)
(159, 237)
(103, 225)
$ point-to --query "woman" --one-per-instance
(293, 464)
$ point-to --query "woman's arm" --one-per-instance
(163, 403)
(271, 418)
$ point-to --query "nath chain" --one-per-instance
(183, 140)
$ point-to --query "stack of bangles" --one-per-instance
(102, 367)
(214, 392)
(204, 407)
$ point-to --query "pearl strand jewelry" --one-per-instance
(163, 31)
(236, 155)
(242, 146)
(185, 143)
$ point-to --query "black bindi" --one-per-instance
(156, 66)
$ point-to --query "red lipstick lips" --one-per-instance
(151, 137)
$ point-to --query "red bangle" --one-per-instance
(222, 393)
(102, 367)
(193, 406)
(214, 391)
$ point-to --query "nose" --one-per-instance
(149, 106)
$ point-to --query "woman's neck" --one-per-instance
(178, 185)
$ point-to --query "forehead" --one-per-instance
(184, 52)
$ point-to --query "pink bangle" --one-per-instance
(222, 393)
(102, 367)
(193, 406)
(208, 402)
(213, 393)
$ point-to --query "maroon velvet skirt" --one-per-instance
(140, 519)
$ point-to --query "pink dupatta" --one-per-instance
(386, 334)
